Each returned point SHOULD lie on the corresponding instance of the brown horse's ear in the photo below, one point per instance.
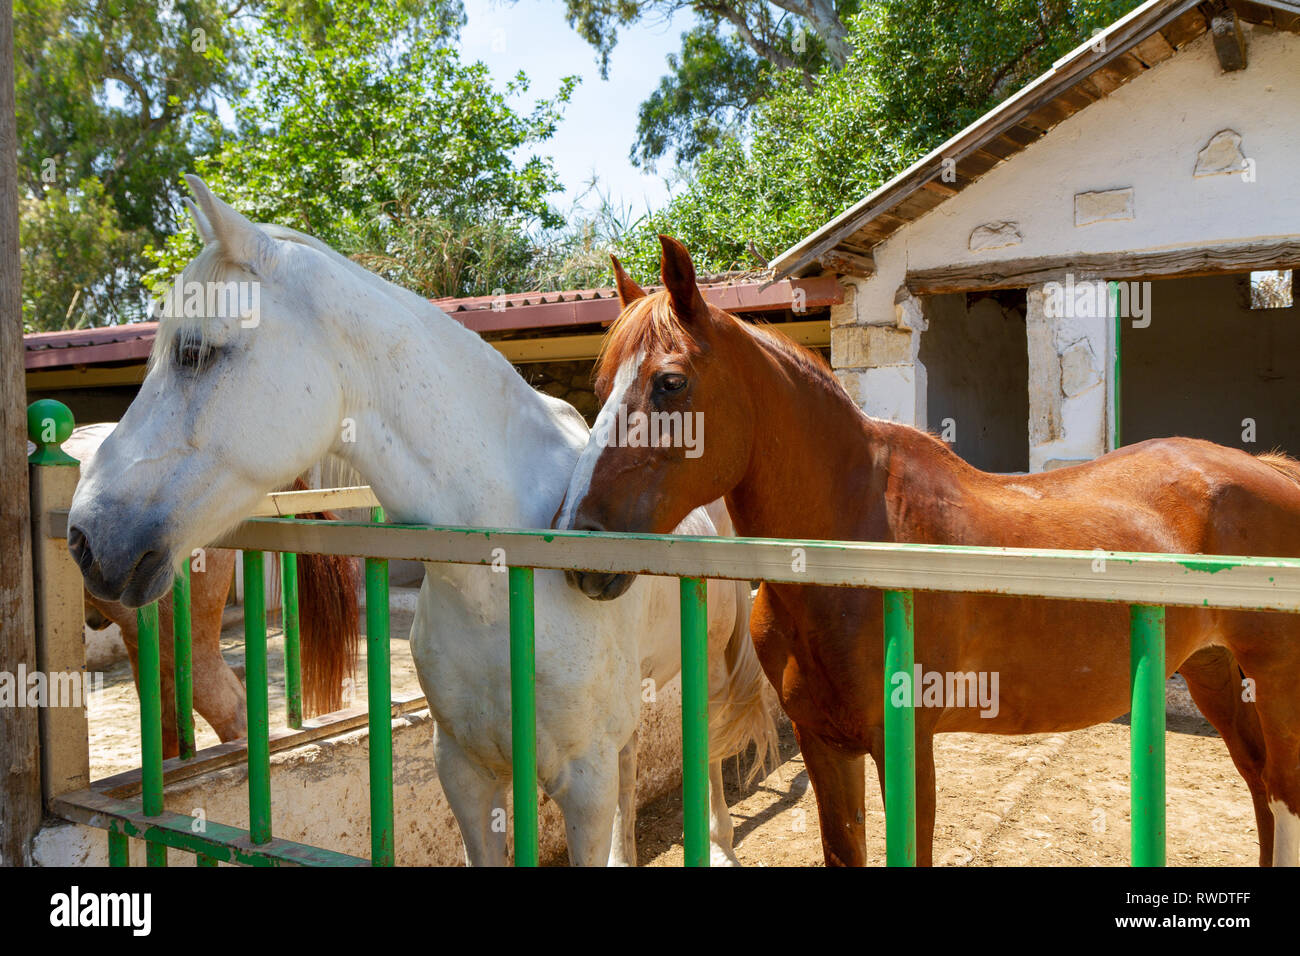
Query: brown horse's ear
(628, 291)
(679, 278)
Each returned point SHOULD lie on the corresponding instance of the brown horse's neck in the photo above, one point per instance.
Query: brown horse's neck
(822, 469)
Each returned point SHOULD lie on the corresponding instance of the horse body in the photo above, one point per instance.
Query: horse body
(1061, 665)
(446, 432)
(796, 458)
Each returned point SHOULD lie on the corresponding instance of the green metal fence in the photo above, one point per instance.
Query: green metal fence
(1146, 582)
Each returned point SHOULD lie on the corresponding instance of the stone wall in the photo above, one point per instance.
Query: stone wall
(1069, 352)
(1185, 155)
(570, 381)
(875, 357)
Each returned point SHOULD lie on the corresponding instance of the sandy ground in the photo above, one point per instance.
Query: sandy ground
(1043, 800)
(1049, 799)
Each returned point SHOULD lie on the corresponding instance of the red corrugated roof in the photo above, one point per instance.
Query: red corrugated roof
(110, 343)
(529, 310)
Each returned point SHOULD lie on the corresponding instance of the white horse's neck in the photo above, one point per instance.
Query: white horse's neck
(443, 428)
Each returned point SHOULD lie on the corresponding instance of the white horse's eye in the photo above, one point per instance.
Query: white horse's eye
(192, 353)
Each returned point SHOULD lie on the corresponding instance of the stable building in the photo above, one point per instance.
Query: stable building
(1105, 257)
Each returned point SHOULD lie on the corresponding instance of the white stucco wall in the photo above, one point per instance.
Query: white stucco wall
(1144, 136)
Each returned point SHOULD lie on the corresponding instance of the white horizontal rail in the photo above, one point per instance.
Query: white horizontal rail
(1190, 580)
(281, 504)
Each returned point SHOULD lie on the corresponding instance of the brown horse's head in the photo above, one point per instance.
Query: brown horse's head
(675, 431)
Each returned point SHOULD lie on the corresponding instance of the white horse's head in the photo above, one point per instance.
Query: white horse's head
(245, 389)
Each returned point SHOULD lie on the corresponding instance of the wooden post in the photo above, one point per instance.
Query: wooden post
(1229, 43)
(59, 607)
(20, 789)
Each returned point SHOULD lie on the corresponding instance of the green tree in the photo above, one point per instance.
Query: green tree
(726, 63)
(115, 99)
(920, 71)
(107, 92)
(710, 88)
(374, 137)
(741, 51)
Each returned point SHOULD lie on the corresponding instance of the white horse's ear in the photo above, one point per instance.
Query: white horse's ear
(201, 224)
(243, 241)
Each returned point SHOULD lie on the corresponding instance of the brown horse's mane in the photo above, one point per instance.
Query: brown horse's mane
(1282, 463)
(651, 324)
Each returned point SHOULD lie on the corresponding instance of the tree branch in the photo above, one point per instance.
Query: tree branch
(760, 46)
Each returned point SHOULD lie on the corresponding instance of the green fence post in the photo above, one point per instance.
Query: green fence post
(695, 721)
(1147, 732)
(183, 661)
(379, 700)
(292, 640)
(255, 678)
(119, 849)
(900, 731)
(151, 758)
(523, 715)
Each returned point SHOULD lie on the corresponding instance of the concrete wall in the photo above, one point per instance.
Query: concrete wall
(320, 795)
(1145, 137)
(978, 377)
(1207, 363)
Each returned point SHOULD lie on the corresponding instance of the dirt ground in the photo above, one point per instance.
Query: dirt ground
(1049, 799)
(114, 712)
(1043, 800)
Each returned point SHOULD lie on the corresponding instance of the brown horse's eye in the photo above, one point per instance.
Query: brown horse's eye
(670, 382)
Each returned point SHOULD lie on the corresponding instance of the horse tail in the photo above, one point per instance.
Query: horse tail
(1282, 463)
(327, 597)
(741, 710)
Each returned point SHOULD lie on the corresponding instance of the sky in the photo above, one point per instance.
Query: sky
(599, 123)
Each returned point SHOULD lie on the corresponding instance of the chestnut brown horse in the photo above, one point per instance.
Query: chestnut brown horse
(327, 598)
(794, 457)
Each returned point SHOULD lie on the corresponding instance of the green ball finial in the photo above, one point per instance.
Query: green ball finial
(49, 425)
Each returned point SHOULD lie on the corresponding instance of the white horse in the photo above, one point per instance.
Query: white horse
(334, 359)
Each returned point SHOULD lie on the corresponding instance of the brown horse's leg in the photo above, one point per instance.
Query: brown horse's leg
(925, 798)
(925, 788)
(1268, 649)
(840, 788)
(218, 694)
(1216, 686)
(167, 661)
(125, 618)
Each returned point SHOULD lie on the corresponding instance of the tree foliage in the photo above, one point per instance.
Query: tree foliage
(106, 93)
(920, 71)
(354, 120)
(726, 64)
(370, 134)
(710, 88)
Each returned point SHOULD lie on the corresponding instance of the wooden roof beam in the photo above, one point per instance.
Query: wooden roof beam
(1229, 43)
